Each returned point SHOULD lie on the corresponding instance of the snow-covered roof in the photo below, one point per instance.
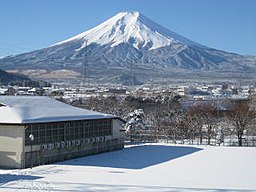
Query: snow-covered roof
(36, 109)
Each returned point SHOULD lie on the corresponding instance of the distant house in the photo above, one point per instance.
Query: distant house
(40, 130)
(3, 91)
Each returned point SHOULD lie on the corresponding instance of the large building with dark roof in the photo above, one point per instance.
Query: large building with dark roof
(41, 130)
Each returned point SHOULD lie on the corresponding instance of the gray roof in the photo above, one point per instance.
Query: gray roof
(37, 109)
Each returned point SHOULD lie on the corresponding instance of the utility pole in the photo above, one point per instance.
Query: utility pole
(85, 65)
(85, 71)
(131, 75)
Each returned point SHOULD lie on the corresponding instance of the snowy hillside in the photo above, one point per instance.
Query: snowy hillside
(150, 167)
(130, 38)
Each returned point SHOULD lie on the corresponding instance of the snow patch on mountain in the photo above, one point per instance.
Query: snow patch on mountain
(133, 28)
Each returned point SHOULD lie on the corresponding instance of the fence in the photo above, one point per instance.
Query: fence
(149, 136)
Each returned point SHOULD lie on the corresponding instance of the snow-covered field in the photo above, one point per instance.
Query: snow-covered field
(149, 167)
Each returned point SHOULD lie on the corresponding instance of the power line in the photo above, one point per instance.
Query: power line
(8, 49)
(14, 47)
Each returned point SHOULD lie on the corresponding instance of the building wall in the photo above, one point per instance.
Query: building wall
(11, 146)
(16, 151)
(118, 126)
(50, 155)
(45, 153)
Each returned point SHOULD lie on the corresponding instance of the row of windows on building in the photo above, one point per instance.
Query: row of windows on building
(67, 131)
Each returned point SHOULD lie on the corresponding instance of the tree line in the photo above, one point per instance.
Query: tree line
(176, 119)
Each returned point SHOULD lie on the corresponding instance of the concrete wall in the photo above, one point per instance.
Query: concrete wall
(11, 146)
(117, 129)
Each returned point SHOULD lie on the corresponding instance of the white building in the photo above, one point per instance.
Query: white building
(40, 130)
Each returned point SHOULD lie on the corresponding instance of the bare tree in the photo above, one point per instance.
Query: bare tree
(195, 118)
(241, 115)
(191, 122)
(204, 117)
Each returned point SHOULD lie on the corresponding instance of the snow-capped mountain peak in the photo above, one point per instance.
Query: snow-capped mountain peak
(133, 28)
(125, 39)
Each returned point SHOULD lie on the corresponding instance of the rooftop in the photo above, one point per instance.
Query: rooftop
(37, 109)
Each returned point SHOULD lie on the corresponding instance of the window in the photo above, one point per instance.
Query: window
(67, 131)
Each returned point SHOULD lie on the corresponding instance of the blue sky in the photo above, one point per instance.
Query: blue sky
(27, 25)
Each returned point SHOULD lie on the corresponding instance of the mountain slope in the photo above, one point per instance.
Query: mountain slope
(131, 42)
(6, 78)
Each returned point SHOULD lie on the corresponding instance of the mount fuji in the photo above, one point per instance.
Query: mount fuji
(130, 44)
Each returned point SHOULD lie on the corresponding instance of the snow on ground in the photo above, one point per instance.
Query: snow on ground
(147, 168)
